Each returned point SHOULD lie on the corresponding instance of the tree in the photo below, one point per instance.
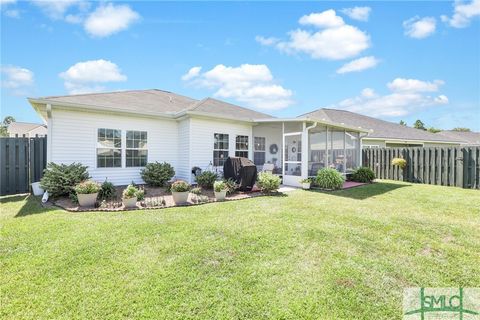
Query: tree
(433, 130)
(461, 129)
(403, 123)
(419, 125)
(4, 126)
(7, 120)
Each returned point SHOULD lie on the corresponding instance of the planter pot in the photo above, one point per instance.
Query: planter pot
(220, 196)
(180, 197)
(37, 190)
(306, 185)
(130, 202)
(87, 200)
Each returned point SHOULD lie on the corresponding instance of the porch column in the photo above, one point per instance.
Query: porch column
(304, 151)
(282, 160)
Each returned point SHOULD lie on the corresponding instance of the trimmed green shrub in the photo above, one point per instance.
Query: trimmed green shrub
(363, 174)
(220, 186)
(87, 187)
(60, 179)
(130, 192)
(157, 174)
(180, 186)
(231, 185)
(196, 191)
(268, 182)
(107, 191)
(206, 179)
(402, 163)
(328, 178)
(140, 194)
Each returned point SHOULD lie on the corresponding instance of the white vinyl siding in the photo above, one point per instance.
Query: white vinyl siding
(183, 169)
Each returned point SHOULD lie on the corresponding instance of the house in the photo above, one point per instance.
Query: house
(115, 134)
(25, 129)
(468, 138)
(384, 133)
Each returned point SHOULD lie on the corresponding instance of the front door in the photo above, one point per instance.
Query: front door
(292, 159)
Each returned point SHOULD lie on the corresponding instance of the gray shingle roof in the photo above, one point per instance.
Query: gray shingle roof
(470, 138)
(380, 128)
(22, 128)
(222, 108)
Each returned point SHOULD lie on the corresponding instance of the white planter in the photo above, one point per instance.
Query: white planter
(37, 190)
(220, 196)
(130, 202)
(306, 185)
(180, 197)
(87, 200)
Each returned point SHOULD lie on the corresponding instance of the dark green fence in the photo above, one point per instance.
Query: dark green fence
(22, 161)
(449, 166)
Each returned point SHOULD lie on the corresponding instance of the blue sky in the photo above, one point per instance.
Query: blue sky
(392, 60)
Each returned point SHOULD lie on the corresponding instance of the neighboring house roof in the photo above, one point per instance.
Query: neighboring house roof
(469, 137)
(22, 128)
(379, 128)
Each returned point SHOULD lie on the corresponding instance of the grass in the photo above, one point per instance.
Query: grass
(308, 255)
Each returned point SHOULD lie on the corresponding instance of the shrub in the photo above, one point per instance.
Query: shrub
(219, 186)
(363, 174)
(268, 182)
(87, 187)
(60, 179)
(231, 185)
(107, 191)
(130, 192)
(156, 174)
(196, 191)
(206, 179)
(180, 186)
(328, 178)
(140, 194)
(307, 180)
(400, 162)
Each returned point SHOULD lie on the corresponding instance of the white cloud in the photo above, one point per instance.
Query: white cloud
(266, 41)
(5, 2)
(109, 19)
(192, 73)
(18, 80)
(88, 76)
(357, 13)
(406, 96)
(463, 14)
(419, 28)
(253, 85)
(56, 9)
(13, 13)
(359, 65)
(336, 40)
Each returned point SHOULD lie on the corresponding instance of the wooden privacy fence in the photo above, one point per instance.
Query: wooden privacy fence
(22, 161)
(448, 166)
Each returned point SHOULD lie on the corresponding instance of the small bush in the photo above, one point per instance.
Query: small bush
(130, 192)
(157, 174)
(219, 186)
(231, 185)
(400, 162)
(328, 178)
(180, 186)
(196, 191)
(268, 182)
(307, 180)
(87, 187)
(363, 174)
(60, 179)
(140, 194)
(107, 191)
(206, 179)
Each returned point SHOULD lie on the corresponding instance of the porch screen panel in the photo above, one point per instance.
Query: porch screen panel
(337, 151)
(293, 155)
(352, 151)
(317, 153)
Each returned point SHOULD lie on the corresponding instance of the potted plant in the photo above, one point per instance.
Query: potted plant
(129, 198)
(306, 183)
(220, 189)
(180, 190)
(87, 193)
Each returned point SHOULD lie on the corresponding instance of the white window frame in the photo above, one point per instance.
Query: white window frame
(220, 150)
(97, 147)
(143, 149)
(264, 151)
(236, 142)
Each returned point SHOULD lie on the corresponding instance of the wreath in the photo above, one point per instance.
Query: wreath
(273, 149)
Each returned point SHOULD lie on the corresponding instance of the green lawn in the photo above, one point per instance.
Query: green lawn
(309, 255)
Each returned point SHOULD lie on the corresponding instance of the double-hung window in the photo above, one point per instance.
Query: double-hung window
(241, 146)
(259, 151)
(220, 149)
(136, 149)
(109, 148)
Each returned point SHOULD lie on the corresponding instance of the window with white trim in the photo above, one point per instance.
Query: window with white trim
(259, 151)
(136, 152)
(241, 146)
(109, 148)
(220, 148)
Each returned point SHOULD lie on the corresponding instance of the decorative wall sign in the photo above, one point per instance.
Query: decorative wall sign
(273, 148)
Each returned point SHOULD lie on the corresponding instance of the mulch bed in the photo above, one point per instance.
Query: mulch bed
(155, 198)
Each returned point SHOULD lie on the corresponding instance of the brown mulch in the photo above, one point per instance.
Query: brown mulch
(152, 194)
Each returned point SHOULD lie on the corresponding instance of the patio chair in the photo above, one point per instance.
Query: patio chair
(268, 167)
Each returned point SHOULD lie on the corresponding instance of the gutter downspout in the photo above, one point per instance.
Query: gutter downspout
(49, 132)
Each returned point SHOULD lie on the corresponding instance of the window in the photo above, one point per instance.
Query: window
(136, 150)
(259, 151)
(220, 149)
(241, 146)
(109, 148)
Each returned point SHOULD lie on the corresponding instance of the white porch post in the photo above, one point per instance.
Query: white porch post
(282, 161)
(304, 151)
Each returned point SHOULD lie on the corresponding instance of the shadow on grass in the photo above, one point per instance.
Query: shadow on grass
(23, 205)
(365, 191)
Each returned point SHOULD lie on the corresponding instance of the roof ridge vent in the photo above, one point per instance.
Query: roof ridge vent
(170, 99)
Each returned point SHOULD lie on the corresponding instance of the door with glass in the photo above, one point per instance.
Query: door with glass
(292, 159)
